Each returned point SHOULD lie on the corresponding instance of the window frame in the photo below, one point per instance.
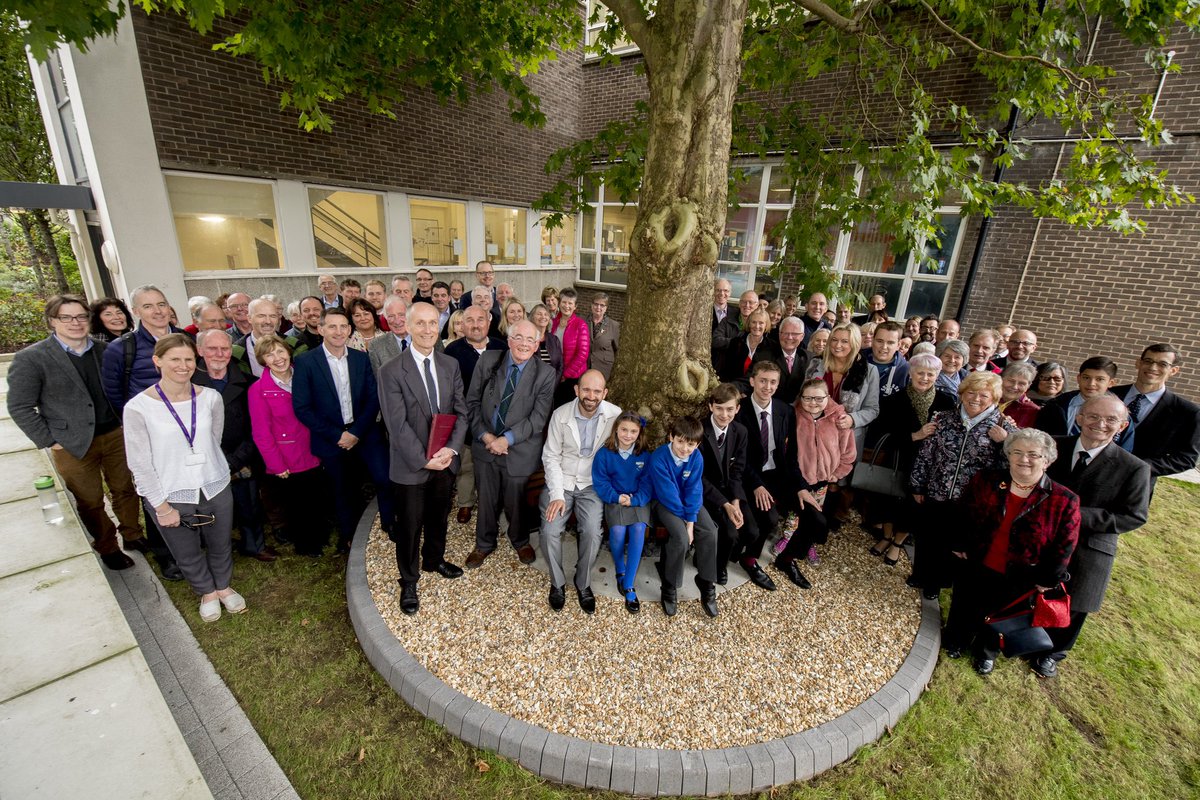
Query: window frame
(282, 269)
(383, 234)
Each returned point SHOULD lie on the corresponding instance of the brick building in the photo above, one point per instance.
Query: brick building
(204, 185)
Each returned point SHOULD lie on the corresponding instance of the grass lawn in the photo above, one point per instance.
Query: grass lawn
(1122, 720)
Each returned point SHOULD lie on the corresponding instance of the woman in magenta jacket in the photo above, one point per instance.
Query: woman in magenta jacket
(572, 331)
(293, 471)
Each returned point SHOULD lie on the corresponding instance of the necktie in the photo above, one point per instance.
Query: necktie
(403, 345)
(764, 435)
(431, 385)
(510, 388)
(790, 361)
(1080, 465)
(1135, 408)
(720, 442)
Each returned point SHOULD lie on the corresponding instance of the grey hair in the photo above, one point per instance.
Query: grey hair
(199, 309)
(1020, 368)
(1043, 440)
(925, 361)
(198, 302)
(259, 301)
(957, 345)
(145, 287)
(204, 336)
(393, 299)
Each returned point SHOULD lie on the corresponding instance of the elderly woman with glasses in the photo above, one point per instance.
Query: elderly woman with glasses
(963, 442)
(1018, 534)
(1048, 383)
(173, 445)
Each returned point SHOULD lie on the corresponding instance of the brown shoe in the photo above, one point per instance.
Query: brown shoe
(526, 554)
(464, 514)
(139, 545)
(475, 559)
(263, 556)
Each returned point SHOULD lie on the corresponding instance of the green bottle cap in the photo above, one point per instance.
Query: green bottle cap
(43, 482)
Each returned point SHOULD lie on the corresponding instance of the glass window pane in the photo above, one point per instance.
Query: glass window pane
(587, 266)
(348, 228)
(738, 276)
(951, 225)
(739, 229)
(772, 237)
(868, 285)
(589, 228)
(926, 297)
(614, 269)
(779, 188)
(504, 234)
(558, 244)
(748, 188)
(224, 224)
(616, 228)
(438, 232)
(591, 188)
(871, 251)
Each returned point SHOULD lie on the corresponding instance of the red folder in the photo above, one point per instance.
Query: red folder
(439, 432)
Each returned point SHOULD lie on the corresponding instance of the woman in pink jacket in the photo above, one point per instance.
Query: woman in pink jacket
(572, 331)
(295, 473)
(826, 454)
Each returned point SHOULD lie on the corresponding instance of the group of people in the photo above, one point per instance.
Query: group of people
(436, 396)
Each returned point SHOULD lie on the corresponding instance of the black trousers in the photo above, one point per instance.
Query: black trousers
(935, 538)
(979, 591)
(767, 521)
(813, 528)
(423, 506)
(733, 541)
(300, 497)
(1064, 638)
(497, 490)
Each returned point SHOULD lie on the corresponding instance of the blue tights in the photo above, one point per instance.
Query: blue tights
(626, 542)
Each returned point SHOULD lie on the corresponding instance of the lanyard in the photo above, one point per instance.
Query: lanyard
(190, 436)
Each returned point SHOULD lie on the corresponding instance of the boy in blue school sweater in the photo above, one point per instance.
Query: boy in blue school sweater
(676, 475)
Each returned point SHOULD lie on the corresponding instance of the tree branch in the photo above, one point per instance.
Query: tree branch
(845, 24)
(633, 20)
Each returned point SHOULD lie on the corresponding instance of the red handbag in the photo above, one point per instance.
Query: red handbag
(1052, 611)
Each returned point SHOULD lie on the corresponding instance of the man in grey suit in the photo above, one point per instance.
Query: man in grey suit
(56, 397)
(1114, 498)
(412, 388)
(508, 405)
(387, 345)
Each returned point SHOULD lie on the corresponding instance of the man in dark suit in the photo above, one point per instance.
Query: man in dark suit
(1164, 427)
(772, 468)
(508, 405)
(1058, 417)
(412, 388)
(724, 450)
(485, 276)
(56, 398)
(793, 360)
(1114, 498)
(726, 319)
(466, 351)
(334, 394)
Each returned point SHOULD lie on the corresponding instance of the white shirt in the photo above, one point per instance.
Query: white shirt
(420, 362)
(157, 449)
(340, 367)
(1148, 400)
(1092, 453)
(255, 368)
(718, 431)
(758, 412)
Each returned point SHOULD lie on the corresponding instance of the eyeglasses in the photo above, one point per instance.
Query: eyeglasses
(820, 398)
(1111, 422)
(1020, 343)
(1021, 455)
(523, 339)
(1150, 362)
(73, 317)
(197, 521)
(238, 306)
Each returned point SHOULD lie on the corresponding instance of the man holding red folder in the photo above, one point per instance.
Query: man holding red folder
(421, 398)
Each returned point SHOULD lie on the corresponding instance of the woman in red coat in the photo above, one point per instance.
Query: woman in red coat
(572, 332)
(1018, 534)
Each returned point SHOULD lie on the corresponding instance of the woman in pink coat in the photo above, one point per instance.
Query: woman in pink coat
(294, 472)
(572, 331)
(826, 454)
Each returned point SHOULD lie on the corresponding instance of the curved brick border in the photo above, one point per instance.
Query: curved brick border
(634, 770)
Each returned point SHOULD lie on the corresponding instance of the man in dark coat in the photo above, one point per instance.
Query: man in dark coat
(1164, 428)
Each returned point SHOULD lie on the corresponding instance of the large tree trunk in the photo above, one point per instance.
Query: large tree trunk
(692, 67)
(42, 219)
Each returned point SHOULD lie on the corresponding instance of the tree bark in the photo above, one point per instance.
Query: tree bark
(42, 219)
(693, 64)
(35, 255)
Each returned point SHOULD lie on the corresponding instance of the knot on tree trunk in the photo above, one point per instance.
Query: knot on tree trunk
(693, 380)
(669, 233)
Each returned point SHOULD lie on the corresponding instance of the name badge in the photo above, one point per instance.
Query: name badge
(194, 459)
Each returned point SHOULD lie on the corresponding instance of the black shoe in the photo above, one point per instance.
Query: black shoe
(632, 604)
(116, 560)
(912, 582)
(172, 572)
(793, 573)
(1044, 667)
(708, 596)
(984, 666)
(587, 600)
(722, 575)
(558, 598)
(669, 605)
(954, 652)
(409, 603)
(139, 545)
(446, 570)
(760, 578)
(931, 594)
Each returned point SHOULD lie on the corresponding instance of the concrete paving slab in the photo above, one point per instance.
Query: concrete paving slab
(575, 764)
(716, 774)
(554, 757)
(93, 731)
(27, 464)
(645, 778)
(53, 612)
(244, 754)
(741, 774)
(670, 772)
(600, 764)
(11, 438)
(264, 781)
(695, 773)
(31, 543)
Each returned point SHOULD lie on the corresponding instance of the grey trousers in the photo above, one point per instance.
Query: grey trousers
(464, 484)
(588, 513)
(210, 567)
(704, 540)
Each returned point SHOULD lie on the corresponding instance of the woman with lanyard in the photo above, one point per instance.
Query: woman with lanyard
(173, 445)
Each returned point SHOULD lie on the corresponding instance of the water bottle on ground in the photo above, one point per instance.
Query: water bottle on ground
(52, 512)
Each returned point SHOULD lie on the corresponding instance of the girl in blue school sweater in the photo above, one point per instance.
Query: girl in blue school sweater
(621, 479)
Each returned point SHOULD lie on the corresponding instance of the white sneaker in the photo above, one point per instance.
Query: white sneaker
(234, 603)
(210, 610)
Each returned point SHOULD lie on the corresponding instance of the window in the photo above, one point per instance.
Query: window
(504, 234)
(558, 244)
(224, 223)
(438, 232)
(605, 230)
(348, 228)
(592, 31)
(66, 116)
(753, 237)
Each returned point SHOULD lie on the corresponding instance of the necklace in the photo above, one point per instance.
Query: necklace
(1023, 487)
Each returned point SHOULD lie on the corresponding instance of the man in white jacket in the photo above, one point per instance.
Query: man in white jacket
(577, 430)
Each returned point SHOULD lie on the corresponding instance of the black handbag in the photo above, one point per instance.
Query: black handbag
(1014, 625)
(881, 478)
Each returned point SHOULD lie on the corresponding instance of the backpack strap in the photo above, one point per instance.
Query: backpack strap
(130, 350)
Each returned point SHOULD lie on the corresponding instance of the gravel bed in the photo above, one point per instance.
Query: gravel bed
(770, 665)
